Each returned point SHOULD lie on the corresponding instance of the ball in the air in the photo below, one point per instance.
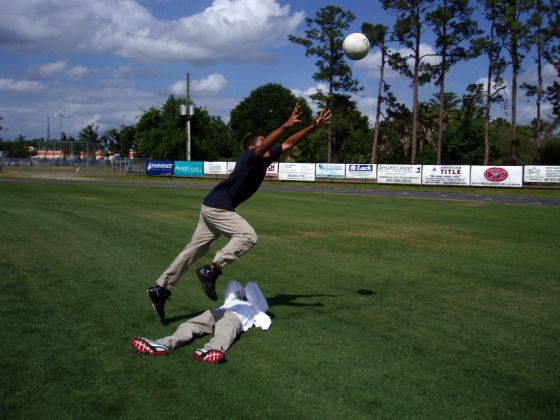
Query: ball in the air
(355, 46)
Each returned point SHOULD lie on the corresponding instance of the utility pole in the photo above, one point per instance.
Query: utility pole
(188, 121)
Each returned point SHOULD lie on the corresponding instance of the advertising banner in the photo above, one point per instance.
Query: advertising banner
(159, 168)
(330, 170)
(296, 171)
(272, 169)
(361, 170)
(215, 168)
(541, 174)
(189, 168)
(446, 174)
(497, 176)
(230, 167)
(399, 174)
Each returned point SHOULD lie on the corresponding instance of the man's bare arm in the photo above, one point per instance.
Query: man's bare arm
(273, 137)
(322, 119)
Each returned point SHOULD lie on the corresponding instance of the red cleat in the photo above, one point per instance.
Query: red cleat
(210, 356)
(153, 348)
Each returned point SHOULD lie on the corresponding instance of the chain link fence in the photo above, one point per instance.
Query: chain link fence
(125, 166)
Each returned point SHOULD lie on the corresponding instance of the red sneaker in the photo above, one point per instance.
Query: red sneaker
(210, 356)
(144, 346)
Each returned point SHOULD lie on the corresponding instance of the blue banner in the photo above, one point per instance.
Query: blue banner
(190, 169)
(159, 167)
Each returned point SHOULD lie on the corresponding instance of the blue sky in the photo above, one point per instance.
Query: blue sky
(105, 61)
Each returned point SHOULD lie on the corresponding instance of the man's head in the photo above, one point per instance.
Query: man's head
(252, 141)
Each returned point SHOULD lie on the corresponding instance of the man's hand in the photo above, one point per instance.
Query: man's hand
(294, 118)
(262, 150)
(323, 118)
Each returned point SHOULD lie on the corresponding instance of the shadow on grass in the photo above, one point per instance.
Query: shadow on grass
(278, 300)
(289, 300)
(366, 292)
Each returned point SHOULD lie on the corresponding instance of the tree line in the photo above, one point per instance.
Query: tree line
(511, 30)
(448, 128)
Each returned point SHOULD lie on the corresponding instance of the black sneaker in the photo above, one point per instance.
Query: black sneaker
(158, 295)
(207, 276)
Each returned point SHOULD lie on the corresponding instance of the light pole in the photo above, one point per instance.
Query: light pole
(188, 122)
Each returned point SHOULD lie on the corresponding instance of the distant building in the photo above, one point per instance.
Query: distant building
(49, 154)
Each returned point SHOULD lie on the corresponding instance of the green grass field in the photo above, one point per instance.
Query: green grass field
(382, 308)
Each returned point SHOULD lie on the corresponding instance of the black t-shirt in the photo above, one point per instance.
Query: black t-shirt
(243, 182)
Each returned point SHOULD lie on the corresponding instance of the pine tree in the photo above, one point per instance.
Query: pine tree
(453, 26)
(323, 40)
(512, 30)
(377, 36)
(407, 31)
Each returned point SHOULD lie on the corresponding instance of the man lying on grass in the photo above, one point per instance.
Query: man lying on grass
(243, 308)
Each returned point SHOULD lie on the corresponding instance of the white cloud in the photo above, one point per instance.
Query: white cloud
(128, 75)
(211, 85)
(57, 69)
(530, 74)
(504, 87)
(51, 69)
(366, 105)
(526, 108)
(214, 83)
(306, 94)
(228, 30)
(20, 86)
(178, 88)
(372, 62)
(107, 107)
(79, 72)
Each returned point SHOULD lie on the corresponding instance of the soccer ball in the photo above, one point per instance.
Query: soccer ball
(355, 46)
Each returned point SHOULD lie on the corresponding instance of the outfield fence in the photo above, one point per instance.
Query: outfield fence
(125, 166)
(450, 175)
(455, 175)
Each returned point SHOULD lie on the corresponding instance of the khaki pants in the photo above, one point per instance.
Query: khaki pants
(226, 327)
(211, 224)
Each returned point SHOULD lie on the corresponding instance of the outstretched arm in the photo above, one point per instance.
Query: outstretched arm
(323, 118)
(273, 137)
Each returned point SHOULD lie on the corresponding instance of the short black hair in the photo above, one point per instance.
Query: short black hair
(250, 140)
